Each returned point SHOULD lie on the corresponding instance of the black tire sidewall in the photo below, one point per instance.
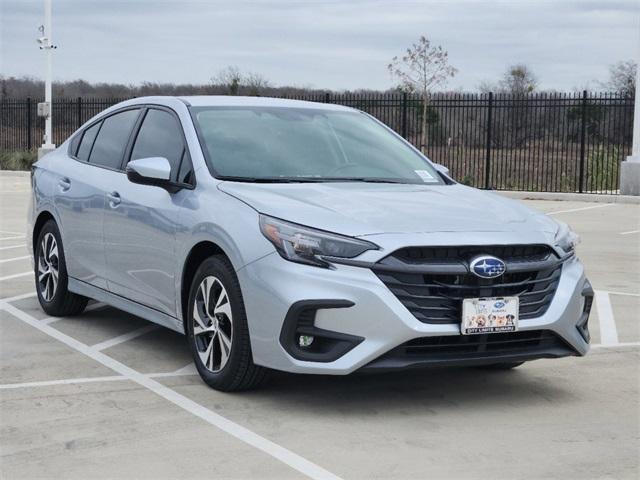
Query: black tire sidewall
(221, 268)
(58, 299)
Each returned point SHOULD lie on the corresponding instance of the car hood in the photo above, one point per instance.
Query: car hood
(358, 209)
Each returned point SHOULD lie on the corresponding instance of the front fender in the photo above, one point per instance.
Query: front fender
(218, 218)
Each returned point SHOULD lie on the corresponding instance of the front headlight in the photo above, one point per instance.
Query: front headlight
(307, 245)
(566, 238)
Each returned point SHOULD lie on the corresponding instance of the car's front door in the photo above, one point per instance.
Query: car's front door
(140, 220)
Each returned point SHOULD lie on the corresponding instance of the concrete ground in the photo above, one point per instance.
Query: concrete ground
(107, 395)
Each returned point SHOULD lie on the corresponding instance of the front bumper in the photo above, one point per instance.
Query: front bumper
(376, 318)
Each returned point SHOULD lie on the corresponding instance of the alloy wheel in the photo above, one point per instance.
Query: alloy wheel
(212, 324)
(48, 267)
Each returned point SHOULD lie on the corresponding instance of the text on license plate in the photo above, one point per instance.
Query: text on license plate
(489, 315)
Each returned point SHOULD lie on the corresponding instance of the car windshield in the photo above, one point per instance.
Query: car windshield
(275, 144)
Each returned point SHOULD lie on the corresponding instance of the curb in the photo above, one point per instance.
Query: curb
(571, 197)
(14, 173)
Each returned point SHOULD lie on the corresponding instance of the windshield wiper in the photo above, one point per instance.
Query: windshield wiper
(366, 180)
(270, 179)
(312, 179)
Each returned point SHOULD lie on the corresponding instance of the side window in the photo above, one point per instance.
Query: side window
(86, 142)
(185, 175)
(109, 146)
(160, 136)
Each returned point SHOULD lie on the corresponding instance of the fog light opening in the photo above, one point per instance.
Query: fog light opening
(305, 341)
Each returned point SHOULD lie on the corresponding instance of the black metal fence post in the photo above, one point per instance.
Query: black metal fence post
(79, 119)
(29, 144)
(487, 162)
(583, 135)
(404, 128)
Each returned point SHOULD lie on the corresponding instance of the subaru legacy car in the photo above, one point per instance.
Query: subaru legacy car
(297, 236)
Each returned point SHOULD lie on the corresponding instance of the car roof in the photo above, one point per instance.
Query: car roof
(238, 101)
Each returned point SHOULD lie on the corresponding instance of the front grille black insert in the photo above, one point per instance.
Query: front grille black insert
(431, 282)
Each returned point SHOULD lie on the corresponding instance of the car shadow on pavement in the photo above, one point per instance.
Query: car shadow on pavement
(455, 387)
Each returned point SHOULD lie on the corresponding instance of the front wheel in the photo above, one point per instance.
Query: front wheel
(51, 275)
(217, 329)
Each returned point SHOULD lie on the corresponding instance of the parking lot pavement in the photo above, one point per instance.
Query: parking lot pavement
(108, 395)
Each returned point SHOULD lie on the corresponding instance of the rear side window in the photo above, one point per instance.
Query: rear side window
(109, 146)
(86, 142)
(160, 136)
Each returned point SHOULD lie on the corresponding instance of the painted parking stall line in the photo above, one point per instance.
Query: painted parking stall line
(67, 381)
(16, 275)
(95, 306)
(608, 330)
(15, 237)
(11, 247)
(580, 209)
(112, 342)
(15, 259)
(243, 434)
(22, 296)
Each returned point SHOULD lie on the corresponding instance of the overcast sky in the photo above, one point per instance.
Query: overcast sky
(321, 43)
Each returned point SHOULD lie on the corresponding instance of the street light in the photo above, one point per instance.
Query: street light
(630, 169)
(44, 109)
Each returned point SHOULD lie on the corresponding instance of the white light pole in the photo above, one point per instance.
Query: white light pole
(630, 169)
(45, 109)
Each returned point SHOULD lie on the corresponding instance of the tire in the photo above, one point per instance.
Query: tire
(502, 366)
(54, 297)
(221, 330)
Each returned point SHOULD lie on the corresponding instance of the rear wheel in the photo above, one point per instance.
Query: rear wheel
(217, 329)
(51, 275)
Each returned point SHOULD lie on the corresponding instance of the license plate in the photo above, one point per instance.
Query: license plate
(489, 315)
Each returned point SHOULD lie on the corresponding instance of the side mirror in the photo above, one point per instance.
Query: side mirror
(442, 169)
(150, 171)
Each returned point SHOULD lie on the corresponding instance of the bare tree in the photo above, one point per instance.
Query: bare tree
(622, 77)
(518, 80)
(230, 78)
(422, 69)
(256, 83)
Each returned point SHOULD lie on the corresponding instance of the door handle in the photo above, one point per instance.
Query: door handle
(114, 199)
(64, 184)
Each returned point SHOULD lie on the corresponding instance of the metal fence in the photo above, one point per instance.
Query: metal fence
(554, 142)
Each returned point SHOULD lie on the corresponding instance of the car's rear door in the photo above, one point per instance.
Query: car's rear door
(80, 196)
(140, 220)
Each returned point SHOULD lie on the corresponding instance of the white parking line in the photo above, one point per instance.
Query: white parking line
(189, 369)
(125, 337)
(618, 345)
(15, 259)
(95, 306)
(6, 232)
(68, 381)
(629, 232)
(278, 452)
(16, 275)
(621, 293)
(18, 297)
(16, 237)
(581, 209)
(608, 330)
(11, 247)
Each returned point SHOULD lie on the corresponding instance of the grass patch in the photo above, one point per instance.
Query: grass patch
(20, 160)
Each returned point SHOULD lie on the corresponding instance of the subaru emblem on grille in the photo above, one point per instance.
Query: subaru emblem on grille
(486, 266)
